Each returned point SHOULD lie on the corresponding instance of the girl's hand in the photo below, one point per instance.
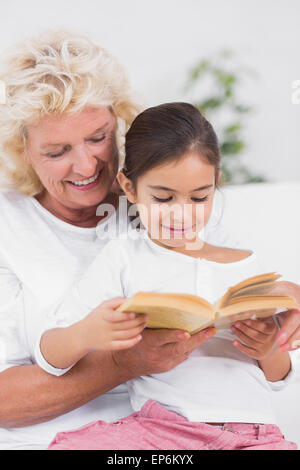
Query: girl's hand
(106, 329)
(258, 337)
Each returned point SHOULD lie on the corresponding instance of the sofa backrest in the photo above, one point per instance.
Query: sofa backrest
(265, 218)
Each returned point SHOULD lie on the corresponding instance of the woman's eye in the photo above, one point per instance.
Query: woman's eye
(158, 199)
(199, 199)
(55, 155)
(97, 140)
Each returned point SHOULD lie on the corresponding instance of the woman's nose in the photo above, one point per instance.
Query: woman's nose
(85, 163)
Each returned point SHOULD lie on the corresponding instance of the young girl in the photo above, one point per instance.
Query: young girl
(219, 398)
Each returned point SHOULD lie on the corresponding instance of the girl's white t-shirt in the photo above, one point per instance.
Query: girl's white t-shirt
(40, 258)
(217, 383)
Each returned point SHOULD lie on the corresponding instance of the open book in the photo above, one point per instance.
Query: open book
(248, 299)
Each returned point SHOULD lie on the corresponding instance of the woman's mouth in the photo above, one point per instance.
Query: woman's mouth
(89, 183)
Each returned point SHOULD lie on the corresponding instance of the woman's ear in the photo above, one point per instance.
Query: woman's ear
(219, 178)
(127, 187)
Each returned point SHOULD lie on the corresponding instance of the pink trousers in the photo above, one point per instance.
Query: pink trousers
(155, 428)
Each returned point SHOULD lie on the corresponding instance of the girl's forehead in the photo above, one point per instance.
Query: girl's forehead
(191, 171)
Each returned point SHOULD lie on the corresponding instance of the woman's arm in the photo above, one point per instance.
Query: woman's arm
(28, 395)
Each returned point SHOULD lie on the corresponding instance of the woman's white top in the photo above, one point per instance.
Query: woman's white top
(40, 258)
(217, 383)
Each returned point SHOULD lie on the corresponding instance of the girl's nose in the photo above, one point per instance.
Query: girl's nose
(85, 163)
(181, 212)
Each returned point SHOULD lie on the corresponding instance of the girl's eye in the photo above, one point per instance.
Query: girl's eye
(199, 199)
(158, 199)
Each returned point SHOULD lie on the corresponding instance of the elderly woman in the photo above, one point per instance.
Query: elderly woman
(67, 108)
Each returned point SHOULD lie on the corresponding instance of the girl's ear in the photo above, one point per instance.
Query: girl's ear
(127, 187)
(219, 178)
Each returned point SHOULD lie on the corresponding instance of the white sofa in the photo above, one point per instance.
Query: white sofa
(266, 218)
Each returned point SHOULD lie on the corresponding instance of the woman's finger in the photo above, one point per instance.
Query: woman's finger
(160, 337)
(194, 341)
(289, 327)
(293, 342)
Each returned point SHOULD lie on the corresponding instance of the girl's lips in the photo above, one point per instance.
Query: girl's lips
(178, 230)
(87, 187)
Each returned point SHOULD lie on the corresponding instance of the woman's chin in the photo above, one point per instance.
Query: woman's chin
(87, 199)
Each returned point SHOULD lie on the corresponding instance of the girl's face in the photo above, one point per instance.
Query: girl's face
(174, 200)
(75, 156)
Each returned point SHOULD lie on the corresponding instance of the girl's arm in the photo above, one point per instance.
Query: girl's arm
(103, 329)
(89, 324)
(277, 366)
(259, 342)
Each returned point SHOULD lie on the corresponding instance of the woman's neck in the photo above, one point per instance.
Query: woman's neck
(84, 217)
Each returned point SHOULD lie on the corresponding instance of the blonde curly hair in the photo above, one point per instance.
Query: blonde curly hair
(55, 73)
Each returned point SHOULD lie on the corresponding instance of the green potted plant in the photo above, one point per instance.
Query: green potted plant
(217, 81)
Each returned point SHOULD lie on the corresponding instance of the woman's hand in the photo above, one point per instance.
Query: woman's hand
(289, 334)
(160, 351)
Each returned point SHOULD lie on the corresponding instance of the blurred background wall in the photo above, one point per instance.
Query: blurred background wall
(160, 41)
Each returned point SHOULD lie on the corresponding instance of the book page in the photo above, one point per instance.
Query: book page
(257, 285)
(170, 310)
(262, 306)
(258, 289)
(224, 322)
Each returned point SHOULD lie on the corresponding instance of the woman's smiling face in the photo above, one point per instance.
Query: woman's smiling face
(75, 156)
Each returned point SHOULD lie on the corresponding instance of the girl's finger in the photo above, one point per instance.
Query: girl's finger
(113, 303)
(245, 338)
(265, 327)
(125, 344)
(129, 324)
(115, 317)
(249, 331)
(245, 349)
(128, 334)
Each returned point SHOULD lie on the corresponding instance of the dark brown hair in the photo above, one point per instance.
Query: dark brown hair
(166, 133)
